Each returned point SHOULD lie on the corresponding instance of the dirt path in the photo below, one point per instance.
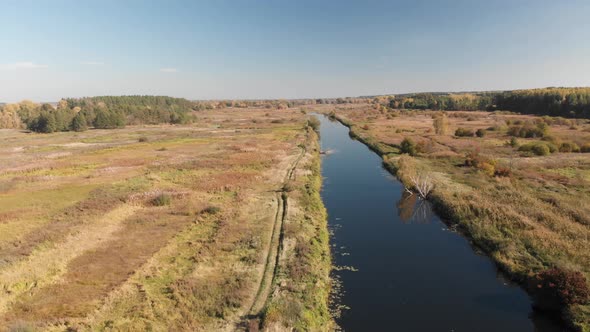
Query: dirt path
(264, 288)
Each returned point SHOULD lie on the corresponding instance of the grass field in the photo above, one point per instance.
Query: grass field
(164, 227)
(529, 212)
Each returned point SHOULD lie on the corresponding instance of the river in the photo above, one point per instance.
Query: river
(410, 272)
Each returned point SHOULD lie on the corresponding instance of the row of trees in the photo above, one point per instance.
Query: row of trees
(133, 110)
(118, 111)
(98, 112)
(564, 102)
(50, 120)
(448, 102)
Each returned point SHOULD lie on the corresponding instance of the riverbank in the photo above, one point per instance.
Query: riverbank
(302, 281)
(505, 217)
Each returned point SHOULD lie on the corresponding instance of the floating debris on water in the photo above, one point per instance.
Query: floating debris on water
(345, 268)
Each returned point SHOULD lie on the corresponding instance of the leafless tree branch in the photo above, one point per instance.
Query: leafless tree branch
(423, 185)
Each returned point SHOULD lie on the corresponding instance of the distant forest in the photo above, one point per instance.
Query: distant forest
(564, 102)
(99, 112)
(108, 112)
(79, 114)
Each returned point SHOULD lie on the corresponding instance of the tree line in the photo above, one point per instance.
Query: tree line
(118, 111)
(564, 102)
(107, 112)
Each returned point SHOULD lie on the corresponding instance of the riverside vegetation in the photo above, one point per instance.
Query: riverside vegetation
(164, 227)
(517, 185)
(227, 194)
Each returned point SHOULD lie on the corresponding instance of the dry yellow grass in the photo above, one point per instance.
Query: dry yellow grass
(46, 265)
(84, 245)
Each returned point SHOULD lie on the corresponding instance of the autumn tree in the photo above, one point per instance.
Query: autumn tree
(441, 123)
(9, 118)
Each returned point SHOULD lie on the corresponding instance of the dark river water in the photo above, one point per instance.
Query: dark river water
(414, 274)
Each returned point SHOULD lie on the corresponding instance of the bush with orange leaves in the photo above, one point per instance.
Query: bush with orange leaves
(556, 288)
(482, 163)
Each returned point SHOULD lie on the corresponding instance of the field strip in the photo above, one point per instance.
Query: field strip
(151, 269)
(269, 266)
(272, 256)
(45, 267)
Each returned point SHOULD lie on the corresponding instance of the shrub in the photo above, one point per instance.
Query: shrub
(529, 131)
(463, 132)
(555, 288)
(440, 123)
(473, 159)
(314, 123)
(585, 148)
(551, 138)
(211, 210)
(480, 133)
(513, 142)
(569, 147)
(405, 169)
(487, 168)
(424, 147)
(408, 146)
(552, 147)
(162, 200)
(538, 148)
(180, 118)
(502, 171)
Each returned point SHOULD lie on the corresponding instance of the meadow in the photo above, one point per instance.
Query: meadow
(517, 185)
(216, 225)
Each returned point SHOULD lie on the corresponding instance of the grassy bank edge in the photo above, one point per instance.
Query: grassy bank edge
(573, 317)
(302, 285)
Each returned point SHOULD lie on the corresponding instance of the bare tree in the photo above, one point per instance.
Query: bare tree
(423, 185)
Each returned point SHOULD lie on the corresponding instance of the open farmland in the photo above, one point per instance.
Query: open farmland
(528, 208)
(164, 227)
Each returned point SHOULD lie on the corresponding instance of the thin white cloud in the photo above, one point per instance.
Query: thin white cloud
(92, 63)
(21, 65)
(168, 70)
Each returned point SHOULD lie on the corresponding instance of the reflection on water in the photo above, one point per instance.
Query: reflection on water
(412, 209)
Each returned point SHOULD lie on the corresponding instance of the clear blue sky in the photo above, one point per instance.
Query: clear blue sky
(288, 49)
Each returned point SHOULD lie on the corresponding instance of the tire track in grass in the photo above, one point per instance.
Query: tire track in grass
(273, 253)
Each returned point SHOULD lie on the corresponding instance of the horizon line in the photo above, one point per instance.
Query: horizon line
(310, 98)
